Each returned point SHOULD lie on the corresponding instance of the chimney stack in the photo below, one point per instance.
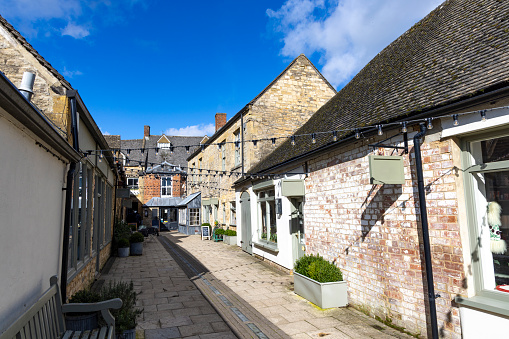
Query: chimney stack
(146, 131)
(220, 120)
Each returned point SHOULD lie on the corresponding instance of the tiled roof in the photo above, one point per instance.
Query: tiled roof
(113, 141)
(459, 50)
(177, 158)
(32, 50)
(189, 199)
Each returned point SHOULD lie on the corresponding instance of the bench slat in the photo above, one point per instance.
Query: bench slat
(67, 334)
(76, 335)
(85, 335)
(103, 332)
(94, 334)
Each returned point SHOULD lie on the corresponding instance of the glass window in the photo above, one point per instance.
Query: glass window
(166, 186)
(237, 148)
(132, 183)
(267, 216)
(233, 213)
(489, 181)
(194, 216)
(223, 156)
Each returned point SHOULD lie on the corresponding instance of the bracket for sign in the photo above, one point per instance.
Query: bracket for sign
(405, 140)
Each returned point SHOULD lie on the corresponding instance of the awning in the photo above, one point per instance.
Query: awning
(163, 202)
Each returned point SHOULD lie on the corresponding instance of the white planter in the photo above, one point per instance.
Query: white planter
(230, 239)
(324, 295)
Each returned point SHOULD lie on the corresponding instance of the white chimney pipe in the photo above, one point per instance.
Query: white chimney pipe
(27, 85)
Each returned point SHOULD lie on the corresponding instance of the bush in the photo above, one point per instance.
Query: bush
(219, 231)
(317, 268)
(85, 296)
(121, 230)
(136, 237)
(205, 224)
(123, 243)
(230, 233)
(126, 316)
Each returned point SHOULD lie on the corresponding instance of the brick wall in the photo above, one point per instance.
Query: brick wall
(150, 187)
(373, 234)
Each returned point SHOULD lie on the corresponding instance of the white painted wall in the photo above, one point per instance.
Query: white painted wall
(31, 220)
(477, 324)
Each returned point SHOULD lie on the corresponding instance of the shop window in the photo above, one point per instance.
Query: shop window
(194, 216)
(267, 216)
(233, 213)
(488, 199)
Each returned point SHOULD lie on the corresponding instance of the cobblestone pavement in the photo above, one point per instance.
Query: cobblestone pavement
(204, 289)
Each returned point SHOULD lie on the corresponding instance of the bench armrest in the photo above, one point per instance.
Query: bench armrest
(102, 306)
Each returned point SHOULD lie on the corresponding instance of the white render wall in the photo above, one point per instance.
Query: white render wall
(31, 220)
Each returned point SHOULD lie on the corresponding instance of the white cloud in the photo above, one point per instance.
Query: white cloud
(195, 130)
(346, 33)
(104, 132)
(76, 31)
(71, 74)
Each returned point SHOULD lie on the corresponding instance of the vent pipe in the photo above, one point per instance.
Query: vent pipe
(27, 85)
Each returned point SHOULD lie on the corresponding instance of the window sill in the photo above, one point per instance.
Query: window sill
(266, 245)
(497, 306)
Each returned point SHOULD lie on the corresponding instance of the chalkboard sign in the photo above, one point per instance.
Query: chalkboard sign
(205, 232)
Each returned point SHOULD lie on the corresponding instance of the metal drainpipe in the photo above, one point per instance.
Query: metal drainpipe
(68, 198)
(425, 232)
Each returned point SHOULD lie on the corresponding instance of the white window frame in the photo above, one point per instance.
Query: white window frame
(265, 199)
(237, 146)
(166, 187)
(233, 213)
(134, 183)
(194, 217)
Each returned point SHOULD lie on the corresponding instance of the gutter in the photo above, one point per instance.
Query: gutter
(68, 196)
(425, 232)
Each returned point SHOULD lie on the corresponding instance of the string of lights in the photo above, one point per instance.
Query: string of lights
(311, 136)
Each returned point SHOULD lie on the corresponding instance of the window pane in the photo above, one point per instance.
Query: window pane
(272, 218)
(263, 212)
(495, 149)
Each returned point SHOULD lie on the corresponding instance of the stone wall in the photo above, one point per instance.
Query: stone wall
(373, 234)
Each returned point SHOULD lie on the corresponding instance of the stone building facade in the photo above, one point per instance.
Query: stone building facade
(284, 105)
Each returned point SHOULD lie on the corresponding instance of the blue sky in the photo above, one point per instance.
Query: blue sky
(173, 65)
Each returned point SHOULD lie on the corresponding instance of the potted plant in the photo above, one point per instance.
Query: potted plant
(230, 237)
(123, 247)
(126, 316)
(83, 321)
(218, 234)
(320, 282)
(121, 230)
(136, 239)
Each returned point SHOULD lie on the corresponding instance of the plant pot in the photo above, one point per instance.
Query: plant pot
(324, 295)
(137, 248)
(123, 252)
(230, 239)
(84, 322)
(127, 334)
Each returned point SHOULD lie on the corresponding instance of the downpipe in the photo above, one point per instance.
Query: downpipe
(425, 232)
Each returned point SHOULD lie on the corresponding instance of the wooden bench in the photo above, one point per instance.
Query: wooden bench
(45, 319)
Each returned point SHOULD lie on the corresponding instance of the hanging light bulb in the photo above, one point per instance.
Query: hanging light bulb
(357, 134)
(157, 151)
(273, 142)
(293, 140)
(313, 138)
(380, 132)
(101, 156)
(430, 124)
(203, 148)
(127, 161)
(404, 129)
(254, 143)
(142, 151)
(171, 149)
(334, 136)
(483, 115)
(187, 149)
(162, 165)
(128, 152)
(455, 118)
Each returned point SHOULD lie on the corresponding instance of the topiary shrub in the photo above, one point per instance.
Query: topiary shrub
(230, 233)
(219, 231)
(123, 243)
(317, 268)
(136, 237)
(126, 316)
(205, 224)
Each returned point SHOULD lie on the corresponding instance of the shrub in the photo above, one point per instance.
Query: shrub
(123, 243)
(317, 268)
(205, 224)
(219, 231)
(230, 233)
(121, 230)
(136, 237)
(126, 316)
(85, 296)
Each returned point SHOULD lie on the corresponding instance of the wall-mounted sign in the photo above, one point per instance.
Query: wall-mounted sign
(386, 170)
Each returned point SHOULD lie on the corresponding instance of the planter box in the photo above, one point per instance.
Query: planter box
(230, 239)
(86, 322)
(324, 295)
(137, 248)
(123, 252)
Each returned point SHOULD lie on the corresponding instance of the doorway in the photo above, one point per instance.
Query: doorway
(245, 208)
(297, 228)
